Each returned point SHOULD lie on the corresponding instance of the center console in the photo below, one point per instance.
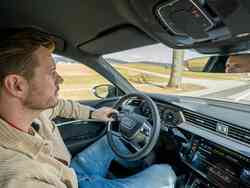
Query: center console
(214, 166)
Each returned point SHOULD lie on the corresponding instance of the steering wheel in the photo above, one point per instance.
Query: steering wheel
(137, 134)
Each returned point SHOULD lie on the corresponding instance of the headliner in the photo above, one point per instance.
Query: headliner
(99, 27)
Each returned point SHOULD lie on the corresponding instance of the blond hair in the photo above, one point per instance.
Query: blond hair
(17, 48)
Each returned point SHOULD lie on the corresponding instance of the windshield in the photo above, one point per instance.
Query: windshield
(156, 69)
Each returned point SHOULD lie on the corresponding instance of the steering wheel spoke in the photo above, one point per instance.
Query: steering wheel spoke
(132, 144)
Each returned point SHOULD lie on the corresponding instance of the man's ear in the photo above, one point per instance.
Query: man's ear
(15, 85)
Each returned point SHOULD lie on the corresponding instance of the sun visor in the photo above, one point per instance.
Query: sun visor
(122, 38)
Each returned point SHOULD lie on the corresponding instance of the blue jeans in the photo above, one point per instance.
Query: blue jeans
(91, 167)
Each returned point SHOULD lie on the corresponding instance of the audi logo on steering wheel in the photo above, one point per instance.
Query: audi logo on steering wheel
(128, 123)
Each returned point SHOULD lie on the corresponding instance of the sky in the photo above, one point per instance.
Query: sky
(156, 53)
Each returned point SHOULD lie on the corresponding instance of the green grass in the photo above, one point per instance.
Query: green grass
(84, 80)
(188, 74)
(141, 81)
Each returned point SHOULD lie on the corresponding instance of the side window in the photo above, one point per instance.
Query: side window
(79, 80)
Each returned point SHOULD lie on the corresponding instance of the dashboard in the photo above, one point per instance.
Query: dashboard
(216, 150)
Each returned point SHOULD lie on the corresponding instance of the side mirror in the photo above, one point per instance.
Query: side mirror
(106, 90)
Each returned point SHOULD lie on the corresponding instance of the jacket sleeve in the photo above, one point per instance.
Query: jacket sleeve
(30, 183)
(69, 109)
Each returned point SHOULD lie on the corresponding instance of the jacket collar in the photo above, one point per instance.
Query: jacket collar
(14, 139)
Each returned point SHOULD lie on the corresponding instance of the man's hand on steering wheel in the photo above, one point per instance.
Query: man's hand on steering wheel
(103, 114)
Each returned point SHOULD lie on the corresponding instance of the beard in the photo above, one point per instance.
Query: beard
(37, 101)
(40, 106)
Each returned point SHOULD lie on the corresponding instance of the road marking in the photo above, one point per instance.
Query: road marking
(242, 96)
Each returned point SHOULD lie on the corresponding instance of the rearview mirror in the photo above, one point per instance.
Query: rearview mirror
(238, 63)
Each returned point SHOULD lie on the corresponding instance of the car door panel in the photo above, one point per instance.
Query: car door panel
(78, 134)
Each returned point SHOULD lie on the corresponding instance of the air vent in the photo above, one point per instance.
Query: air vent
(199, 120)
(239, 134)
(220, 127)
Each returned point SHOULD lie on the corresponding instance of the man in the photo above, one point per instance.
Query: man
(238, 63)
(39, 159)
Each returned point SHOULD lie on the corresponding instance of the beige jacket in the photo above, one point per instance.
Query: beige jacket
(28, 161)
